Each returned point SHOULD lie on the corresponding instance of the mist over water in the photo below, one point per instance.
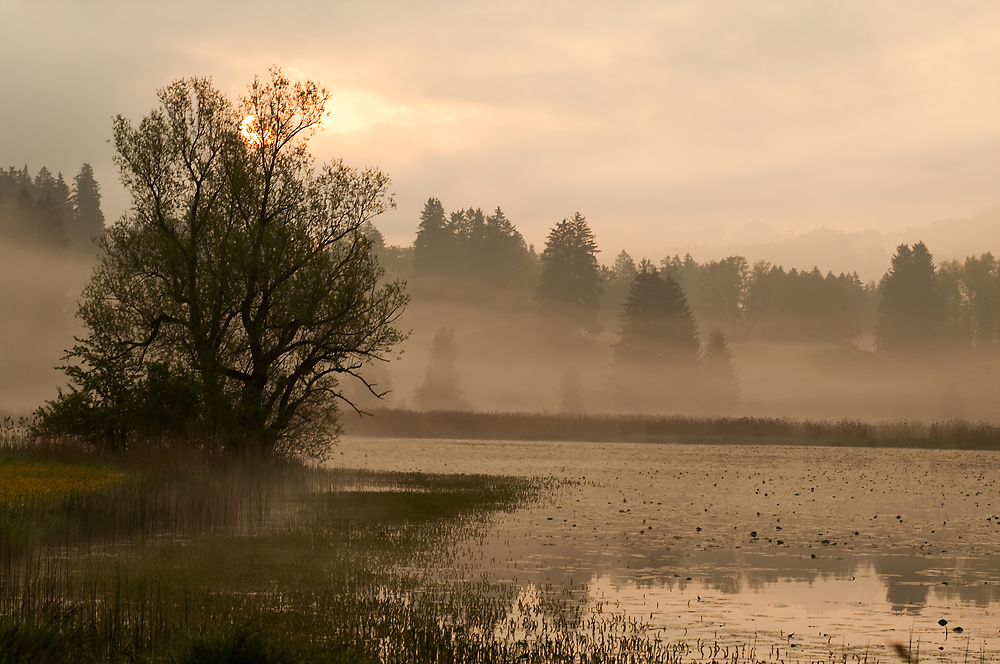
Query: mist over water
(518, 361)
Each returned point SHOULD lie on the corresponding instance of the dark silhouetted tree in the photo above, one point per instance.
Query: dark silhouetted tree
(47, 223)
(657, 325)
(87, 225)
(970, 293)
(656, 358)
(469, 256)
(435, 246)
(242, 271)
(910, 320)
(440, 389)
(727, 284)
(570, 282)
(501, 255)
(798, 306)
(721, 387)
(617, 281)
(34, 210)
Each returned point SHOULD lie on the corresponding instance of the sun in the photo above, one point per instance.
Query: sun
(250, 132)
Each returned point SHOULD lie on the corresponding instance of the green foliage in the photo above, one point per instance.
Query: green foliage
(241, 284)
(570, 281)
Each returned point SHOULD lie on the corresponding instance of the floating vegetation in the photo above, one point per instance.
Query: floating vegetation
(185, 559)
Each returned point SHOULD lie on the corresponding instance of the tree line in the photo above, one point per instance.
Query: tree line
(952, 306)
(45, 211)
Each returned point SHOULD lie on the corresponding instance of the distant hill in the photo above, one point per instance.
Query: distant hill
(865, 252)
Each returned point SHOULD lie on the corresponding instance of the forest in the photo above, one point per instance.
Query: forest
(665, 329)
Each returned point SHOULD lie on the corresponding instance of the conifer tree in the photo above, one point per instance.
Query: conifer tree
(720, 376)
(87, 220)
(910, 314)
(657, 325)
(502, 256)
(434, 247)
(624, 269)
(440, 389)
(570, 282)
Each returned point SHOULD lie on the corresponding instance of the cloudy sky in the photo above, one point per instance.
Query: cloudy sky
(664, 123)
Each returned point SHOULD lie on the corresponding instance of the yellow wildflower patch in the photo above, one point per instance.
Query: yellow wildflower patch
(35, 481)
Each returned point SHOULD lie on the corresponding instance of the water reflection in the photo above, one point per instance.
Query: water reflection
(813, 547)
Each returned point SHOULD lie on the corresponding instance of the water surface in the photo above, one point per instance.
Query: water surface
(816, 551)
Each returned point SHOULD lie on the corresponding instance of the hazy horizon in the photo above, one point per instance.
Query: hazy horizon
(666, 125)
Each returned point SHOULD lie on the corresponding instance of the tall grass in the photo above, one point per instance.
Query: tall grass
(957, 434)
(187, 559)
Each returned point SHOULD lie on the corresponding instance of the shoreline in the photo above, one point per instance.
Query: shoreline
(606, 428)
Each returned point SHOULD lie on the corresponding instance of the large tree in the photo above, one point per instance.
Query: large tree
(910, 319)
(434, 248)
(87, 225)
(656, 358)
(570, 283)
(241, 284)
(657, 326)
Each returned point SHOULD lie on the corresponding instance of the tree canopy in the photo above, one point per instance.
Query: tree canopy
(570, 283)
(240, 284)
(910, 319)
(657, 325)
(720, 384)
(87, 220)
(469, 255)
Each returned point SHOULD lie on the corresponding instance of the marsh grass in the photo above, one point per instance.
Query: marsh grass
(185, 559)
(953, 434)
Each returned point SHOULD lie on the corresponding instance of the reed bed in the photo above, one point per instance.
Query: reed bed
(953, 434)
(185, 559)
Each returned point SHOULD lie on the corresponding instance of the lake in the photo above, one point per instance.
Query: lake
(804, 552)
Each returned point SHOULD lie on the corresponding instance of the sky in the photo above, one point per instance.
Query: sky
(665, 123)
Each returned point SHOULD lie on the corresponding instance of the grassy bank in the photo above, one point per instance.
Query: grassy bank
(169, 556)
(954, 434)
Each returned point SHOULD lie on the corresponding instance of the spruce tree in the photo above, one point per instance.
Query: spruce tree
(656, 358)
(657, 325)
(910, 321)
(434, 248)
(722, 389)
(570, 282)
(502, 255)
(440, 389)
(87, 223)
